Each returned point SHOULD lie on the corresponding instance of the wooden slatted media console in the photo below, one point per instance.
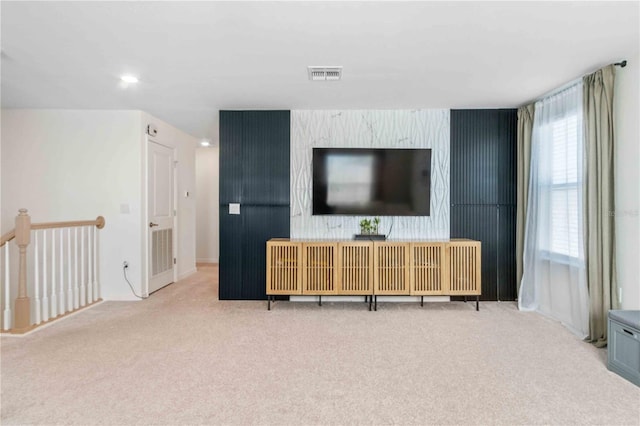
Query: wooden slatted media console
(372, 268)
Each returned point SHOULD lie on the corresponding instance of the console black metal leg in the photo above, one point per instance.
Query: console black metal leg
(319, 300)
(421, 300)
(375, 303)
(477, 303)
(465, 299)
(370, 300)
(268, 303)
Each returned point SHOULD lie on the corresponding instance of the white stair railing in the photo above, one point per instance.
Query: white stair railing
(36, 299)
(6, 283)
(64, 277)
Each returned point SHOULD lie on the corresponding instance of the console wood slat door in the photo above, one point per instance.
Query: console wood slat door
(283, 268)
(429, 276)
(319, 271)
(355, 268)
(391, 268)
(465, 268)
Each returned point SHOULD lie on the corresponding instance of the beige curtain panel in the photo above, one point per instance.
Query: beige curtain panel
(599, 200)
(525, 129)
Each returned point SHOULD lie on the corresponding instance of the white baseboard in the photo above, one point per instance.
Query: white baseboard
(207, 260)
(187, 273)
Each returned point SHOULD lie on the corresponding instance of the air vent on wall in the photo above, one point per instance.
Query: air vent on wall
(324, 73)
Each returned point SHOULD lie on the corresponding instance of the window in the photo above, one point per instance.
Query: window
(564, 186)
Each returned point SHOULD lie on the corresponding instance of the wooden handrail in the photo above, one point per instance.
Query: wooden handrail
(98, 223)
(7, 237)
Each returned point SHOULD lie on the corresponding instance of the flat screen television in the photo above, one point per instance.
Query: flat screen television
(375, 182)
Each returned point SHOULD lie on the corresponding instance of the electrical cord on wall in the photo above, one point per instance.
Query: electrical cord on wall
(388, 234)
(125, 265)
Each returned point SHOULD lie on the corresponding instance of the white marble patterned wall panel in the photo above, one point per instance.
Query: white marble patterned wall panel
(369, 129)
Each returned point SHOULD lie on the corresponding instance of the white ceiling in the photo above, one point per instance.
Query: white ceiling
(196, 58)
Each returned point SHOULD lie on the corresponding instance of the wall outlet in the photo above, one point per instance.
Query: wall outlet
(125, 264)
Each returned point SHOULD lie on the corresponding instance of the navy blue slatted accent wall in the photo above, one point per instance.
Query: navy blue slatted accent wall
(254, 171)
(483, 192)
(483, 156)
(230, 258)
(507, 253)
(480, 222)
(261, 223)
(265, 160)
(231, 161)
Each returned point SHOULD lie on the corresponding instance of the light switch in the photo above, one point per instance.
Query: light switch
(234, 208)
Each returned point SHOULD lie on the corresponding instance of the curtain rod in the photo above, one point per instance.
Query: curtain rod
(565, 86)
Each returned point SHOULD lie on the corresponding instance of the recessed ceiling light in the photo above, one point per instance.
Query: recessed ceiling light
(205, 143)
(129, 78)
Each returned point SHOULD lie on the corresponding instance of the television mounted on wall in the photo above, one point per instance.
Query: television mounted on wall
(371, 181)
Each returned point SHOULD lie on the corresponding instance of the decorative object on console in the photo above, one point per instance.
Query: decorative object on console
(365, 226)
(370, 237)
(369, 230)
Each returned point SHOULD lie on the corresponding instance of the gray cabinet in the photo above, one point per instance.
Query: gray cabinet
(624, 344)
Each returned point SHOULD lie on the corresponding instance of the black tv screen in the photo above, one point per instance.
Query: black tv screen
(376, 182)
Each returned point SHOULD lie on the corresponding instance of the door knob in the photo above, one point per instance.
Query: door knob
(151, 224)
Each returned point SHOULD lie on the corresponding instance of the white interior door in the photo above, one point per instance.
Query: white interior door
(161, 215)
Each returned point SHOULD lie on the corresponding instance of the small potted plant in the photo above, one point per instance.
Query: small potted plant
(365, 227)
(376, 224)
(370, 226)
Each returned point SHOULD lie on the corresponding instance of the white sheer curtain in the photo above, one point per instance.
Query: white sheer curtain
(554, 279)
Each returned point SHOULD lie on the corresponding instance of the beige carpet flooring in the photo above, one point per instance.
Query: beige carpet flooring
(183, 357)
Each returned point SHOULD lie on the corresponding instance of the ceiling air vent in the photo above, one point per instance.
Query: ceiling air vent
(325, 73)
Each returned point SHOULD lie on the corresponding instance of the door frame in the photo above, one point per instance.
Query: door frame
(145, 212)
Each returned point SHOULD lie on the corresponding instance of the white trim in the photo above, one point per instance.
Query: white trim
(174, 202)
(207, 260)
(145, 208)
(186, 274)
(54, 321)
(144, 273)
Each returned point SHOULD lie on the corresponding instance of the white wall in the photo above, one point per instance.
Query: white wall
(207, 207)
(365, 129)
(185, 146)
(627, 178)
(71, 165)
(75, 165)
